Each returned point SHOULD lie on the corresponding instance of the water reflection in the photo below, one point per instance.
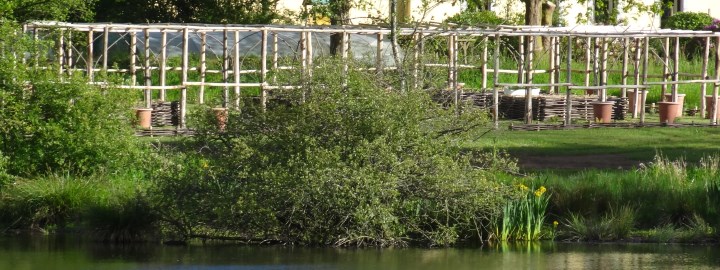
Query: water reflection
(71, 253)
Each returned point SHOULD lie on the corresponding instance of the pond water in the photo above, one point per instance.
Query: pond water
(20, 253)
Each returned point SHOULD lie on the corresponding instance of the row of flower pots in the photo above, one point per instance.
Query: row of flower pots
(144, 117)
(669, 110)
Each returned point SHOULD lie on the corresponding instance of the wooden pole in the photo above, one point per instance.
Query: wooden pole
(496, 80)
(133, 58)
(703, 87)
(69, 54)
(528, 89)
(275, 57)
(203, 66)
(263, 69)
(530, 69)
(636, 67)
(646, 56)
(587, 61)
(558, 60)
(163, 62)
(309, 59)
(147, 73)
(106, 44)
(484, 68)
(379, 55)
(89, 61)
(344, 53)
(225, 69)
(521, 63)
(185, 64)
(713, 111)
(236, 67)
(626, 59)
(568, 78)
(416, 58)
(553, 71)
(603, 69)
(666, 67)
(676, 70)
(61, 53)
(451, 62)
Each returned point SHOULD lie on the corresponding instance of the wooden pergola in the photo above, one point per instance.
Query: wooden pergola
(150, 48)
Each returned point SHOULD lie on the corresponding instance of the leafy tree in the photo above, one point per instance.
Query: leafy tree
(57, 10)
(187, 11)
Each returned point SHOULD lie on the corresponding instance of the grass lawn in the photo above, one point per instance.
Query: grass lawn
(634, 145)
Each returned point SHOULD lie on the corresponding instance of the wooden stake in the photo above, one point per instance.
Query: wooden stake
(163, 62)
(185, 65)
(236, 67)
(147, 73)
(603, 69)
(484, 62)
(225, 69)
(587, 61)
(553, 71)
(521, 63)
(106, 44)
(713, 111)
(636, 67)
(676, 70)
(89, 61)
(528, 89)
(275, 57)
(666, 67)
(203, 66)
(69, 54)
(703, 87)
(568, 78)
(626, 59)
(133, 58)
(263, 69)
(646, 53)
(61, 53)
(496, 80)
(379, 55)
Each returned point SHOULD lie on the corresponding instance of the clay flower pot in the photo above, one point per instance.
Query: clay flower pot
(708, 107)
(144, 117)
(680, 100)
(668, 111)
(221, 116)
(602, 111)
(642, 95)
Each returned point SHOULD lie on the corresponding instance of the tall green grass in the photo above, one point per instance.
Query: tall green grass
(524, 217)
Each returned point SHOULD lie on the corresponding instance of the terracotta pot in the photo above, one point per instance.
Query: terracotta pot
(589, 92)
(221, 115)
(602, 111)
(708, 107)
(642, 95)
(680, 100)
(144, 117)
(668, 111)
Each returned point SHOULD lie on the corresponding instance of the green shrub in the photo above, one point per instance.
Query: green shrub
(336, 164)
(476, 18)
(688, 21)
(58, 124)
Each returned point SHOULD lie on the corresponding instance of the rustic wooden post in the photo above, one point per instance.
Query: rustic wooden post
(713, 111)
(451, 62)
(203, 66)
(528, 89)
(236, 68)
(530, 69)
(636, 67)
(603, 69)
(163, 62)
(496, 80)
(703, 87)
(626, 59)
(379, 55)
(133, 58)
(147, 73)
(344, 54)
(106, 44)
(61, 52)
(486, 40)
(568, 79)
(676, 70)
(89, 61)
(552, 64)
(309, 59)
(666, 67)
(275, 58)
(225, 69)
(521, 63)
(587, 61)
(69, 54)
(263, 69)
(646, 56)
(416, 58)
(185, 64)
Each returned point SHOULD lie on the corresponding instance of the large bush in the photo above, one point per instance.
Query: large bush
(338, 164)
(689, 21)
(55, 124)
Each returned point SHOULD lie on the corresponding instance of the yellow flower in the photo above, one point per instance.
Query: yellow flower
(540, 191)
(523, 187)
(555, 224)
(204, 164)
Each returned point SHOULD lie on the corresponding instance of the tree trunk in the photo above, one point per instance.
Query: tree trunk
(533, 16)
(340, 16)
(548, 8)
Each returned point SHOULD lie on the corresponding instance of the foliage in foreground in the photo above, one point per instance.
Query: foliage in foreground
(338, 164)
(523, 218)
